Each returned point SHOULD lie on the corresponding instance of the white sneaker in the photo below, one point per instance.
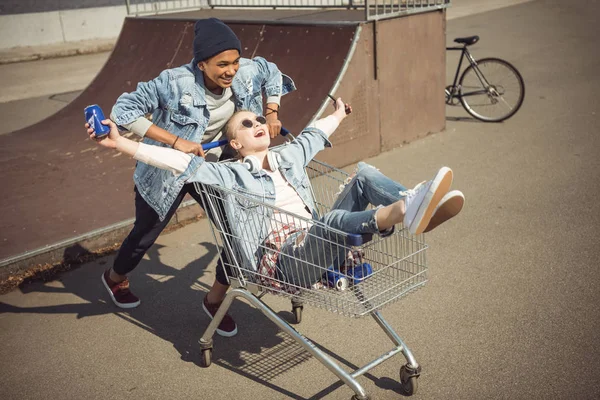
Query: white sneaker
(422, 200)
(450, 205)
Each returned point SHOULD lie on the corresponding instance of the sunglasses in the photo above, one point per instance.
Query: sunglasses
(248, 123)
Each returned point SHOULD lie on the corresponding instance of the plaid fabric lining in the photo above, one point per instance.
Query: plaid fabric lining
(270, 276)
(267, 267)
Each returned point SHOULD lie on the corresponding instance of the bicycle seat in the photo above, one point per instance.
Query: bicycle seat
(467, 40)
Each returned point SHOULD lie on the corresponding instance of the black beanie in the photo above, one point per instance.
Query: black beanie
(211, 37)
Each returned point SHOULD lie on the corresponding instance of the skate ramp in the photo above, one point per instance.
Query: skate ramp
(58, 185)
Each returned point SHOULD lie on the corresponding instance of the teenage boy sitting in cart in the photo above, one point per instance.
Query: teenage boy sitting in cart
(278, 178)
(190, 105)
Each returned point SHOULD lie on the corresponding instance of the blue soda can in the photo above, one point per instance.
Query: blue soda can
(93, 116)
(336, 280)
(361, 272)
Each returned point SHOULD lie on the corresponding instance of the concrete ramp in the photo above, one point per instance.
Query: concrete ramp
(58, 186)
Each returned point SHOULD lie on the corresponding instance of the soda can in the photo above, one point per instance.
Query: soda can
(336, 280)
(93, 116)
(360, 272)
(341, 283)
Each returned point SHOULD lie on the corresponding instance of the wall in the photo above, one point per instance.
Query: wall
(62, 26)
(406, 101)
(412, 75)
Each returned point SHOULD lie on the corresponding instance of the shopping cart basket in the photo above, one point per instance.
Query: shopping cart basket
(369, 272)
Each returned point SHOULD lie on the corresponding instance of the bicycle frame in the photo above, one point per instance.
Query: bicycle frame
(455, 92)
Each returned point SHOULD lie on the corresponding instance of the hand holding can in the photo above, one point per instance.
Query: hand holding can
(94, 116)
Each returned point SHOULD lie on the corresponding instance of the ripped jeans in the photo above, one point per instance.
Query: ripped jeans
(303, 253)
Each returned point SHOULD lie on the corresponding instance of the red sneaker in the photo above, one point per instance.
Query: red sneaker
(119, 292)
(227, 327)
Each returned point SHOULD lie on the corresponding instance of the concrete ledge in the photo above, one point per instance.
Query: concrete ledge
(56, 27)
(105, 241)
(33, 53)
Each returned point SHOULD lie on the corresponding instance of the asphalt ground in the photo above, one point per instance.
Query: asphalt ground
(510, 310)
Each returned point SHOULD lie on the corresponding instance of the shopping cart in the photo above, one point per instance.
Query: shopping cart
(370, 272)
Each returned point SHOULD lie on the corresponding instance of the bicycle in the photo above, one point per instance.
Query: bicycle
(490, 89)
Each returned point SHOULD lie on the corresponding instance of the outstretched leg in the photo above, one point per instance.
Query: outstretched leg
(368, 186)
(303, 260)
(414, 207)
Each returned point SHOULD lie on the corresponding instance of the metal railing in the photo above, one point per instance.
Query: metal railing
(380, 9)
(374, 9)
(289, 3)
(146, 7)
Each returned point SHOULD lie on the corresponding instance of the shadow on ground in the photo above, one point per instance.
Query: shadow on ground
(171, 299)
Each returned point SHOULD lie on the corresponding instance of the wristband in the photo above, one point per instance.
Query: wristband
(173, 145)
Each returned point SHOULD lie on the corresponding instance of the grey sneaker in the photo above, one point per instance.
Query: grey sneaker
(422, 200)
(449, 207)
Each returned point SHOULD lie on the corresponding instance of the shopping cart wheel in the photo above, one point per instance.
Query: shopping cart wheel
(408, 380)
(206, 357)
(297, 310)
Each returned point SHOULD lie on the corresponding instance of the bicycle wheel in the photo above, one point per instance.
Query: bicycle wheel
(492, 91)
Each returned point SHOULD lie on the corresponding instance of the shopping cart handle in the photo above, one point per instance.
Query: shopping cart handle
(212, 145)
(223, 142)
(355, 239)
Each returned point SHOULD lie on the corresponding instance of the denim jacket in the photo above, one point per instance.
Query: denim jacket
(250, 190)
(176, 99)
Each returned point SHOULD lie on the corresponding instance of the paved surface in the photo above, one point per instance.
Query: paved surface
(510, 310)
(17, 82)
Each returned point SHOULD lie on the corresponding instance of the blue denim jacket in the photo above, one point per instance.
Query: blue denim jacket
(176, 99)
(249, 190)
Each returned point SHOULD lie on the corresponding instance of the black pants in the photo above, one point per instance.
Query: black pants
(146, 229)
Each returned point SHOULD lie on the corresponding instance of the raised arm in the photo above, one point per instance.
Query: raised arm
(315, 137)
(330, 123)
(160, 157)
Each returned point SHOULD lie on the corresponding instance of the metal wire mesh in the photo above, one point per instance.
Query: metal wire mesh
(397, 263)
(378, 9)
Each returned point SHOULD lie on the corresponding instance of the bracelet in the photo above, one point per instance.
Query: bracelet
(272, 111)
(173, 145)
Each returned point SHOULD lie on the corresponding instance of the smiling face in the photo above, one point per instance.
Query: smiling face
(248, 133)
(220, 69)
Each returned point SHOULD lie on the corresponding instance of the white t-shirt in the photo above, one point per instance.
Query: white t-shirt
(287, 199)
